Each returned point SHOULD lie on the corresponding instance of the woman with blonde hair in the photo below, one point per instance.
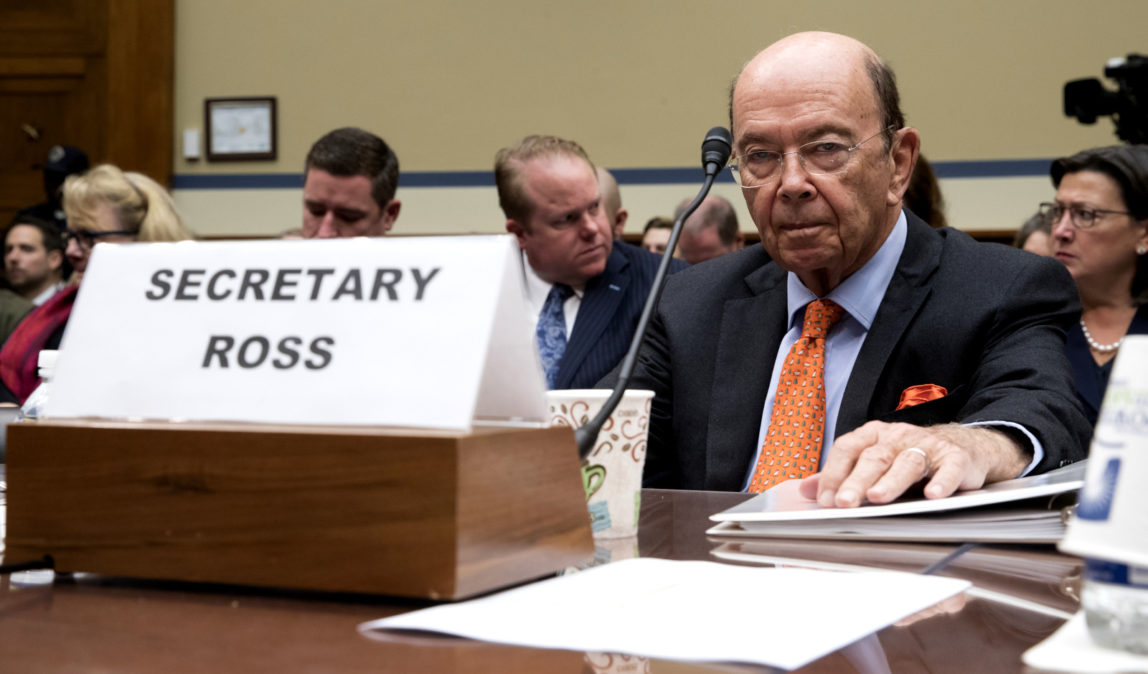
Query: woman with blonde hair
(103, 205)
(107, 204)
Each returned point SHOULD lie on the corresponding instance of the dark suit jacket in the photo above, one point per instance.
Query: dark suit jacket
(1092, 379)
(985, 321)
(608, 315)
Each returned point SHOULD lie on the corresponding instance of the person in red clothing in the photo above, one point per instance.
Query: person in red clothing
(103, 205)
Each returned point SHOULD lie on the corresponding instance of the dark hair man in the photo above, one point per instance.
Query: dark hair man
(656, 234)
(710, 231)
(34, 258)
(350, 177)
(584, 293)
(857, 346)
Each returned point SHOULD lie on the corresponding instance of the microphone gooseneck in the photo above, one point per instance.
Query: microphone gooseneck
(716, 149)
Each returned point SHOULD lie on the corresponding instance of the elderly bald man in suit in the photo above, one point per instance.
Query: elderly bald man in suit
(857, 348)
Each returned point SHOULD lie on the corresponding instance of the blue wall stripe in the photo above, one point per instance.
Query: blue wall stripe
(237, 181)
(997, 168)
(1001, 168)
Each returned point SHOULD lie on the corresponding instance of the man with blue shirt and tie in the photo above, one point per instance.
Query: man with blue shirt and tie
(584, 292)
(857, 347)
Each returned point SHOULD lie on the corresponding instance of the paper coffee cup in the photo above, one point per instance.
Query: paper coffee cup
(615, 663)
(1110, 521)
(612, 473)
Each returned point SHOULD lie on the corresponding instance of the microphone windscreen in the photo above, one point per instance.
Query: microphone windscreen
(717, 147)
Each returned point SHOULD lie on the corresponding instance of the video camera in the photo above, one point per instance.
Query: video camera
(1088, 99)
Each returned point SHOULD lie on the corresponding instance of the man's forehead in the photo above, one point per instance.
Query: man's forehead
(707, 234)
(804, 70)
(555, 178)
(817, 54)
(778, 83)
(25, 232)
(323, 185)
(548, 165)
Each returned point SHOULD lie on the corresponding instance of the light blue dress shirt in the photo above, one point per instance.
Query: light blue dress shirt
(860, 296)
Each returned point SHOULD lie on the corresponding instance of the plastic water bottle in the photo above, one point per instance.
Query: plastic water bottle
(30, 410)
(1115, 600)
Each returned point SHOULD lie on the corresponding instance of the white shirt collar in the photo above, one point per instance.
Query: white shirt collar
(47, 294)
(536, 288)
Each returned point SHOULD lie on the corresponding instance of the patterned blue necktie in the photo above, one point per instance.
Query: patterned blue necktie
(551, 331)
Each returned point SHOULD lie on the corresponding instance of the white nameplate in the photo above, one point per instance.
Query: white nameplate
(405, 331)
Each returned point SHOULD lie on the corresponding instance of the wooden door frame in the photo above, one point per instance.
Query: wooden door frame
(128, 49)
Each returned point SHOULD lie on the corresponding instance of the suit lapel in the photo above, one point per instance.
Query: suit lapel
(600, 302)
(910, 285)
(740, 386)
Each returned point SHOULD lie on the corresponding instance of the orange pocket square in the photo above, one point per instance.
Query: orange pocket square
(921, 393)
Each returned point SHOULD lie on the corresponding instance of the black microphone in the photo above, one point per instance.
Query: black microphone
(716, 148)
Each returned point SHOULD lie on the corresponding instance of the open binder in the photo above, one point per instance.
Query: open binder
(1025, 510)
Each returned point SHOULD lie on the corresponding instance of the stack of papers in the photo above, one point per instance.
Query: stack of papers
(697, 611)
(1025, 510)
(1012, 577)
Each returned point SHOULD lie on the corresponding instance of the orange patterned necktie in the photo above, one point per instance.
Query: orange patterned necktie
(792, 446)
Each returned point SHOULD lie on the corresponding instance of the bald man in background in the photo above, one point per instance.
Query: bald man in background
(710, 231)
(612, 203)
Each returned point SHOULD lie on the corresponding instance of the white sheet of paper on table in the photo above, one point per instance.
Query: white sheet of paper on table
(695, 611)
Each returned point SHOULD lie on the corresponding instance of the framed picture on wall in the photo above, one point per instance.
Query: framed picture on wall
(240, 129)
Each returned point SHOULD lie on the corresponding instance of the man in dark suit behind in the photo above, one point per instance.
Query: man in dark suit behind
(549, 191)
(972, 332)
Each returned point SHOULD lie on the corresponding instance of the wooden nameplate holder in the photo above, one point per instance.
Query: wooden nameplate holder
(412, 513)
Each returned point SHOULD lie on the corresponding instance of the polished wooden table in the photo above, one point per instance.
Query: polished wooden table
(92, 624)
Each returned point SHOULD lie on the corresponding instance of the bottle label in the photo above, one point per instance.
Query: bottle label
(1115, 573)
(1096, 497)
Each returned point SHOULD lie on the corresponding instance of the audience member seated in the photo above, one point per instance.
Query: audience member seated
(616, 216)
(583, 293)
(924, 196)
(63, 161)
(350, 178)
(656, 234)
(710, 231)
(34, 258)
(1035, 235)
(909, 353)
(1100, 233)
(103, 205)
(13, 309)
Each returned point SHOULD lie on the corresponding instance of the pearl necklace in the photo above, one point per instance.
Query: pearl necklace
(1102, 348)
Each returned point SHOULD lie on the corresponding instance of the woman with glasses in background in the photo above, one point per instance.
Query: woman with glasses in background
(108, 205)
(1100, 234)
(103, 205)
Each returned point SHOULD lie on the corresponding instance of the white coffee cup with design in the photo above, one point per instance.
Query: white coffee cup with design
(612, 472)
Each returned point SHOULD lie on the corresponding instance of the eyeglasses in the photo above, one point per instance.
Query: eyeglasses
(86, 239)
(819, 157)
(1082, 218)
